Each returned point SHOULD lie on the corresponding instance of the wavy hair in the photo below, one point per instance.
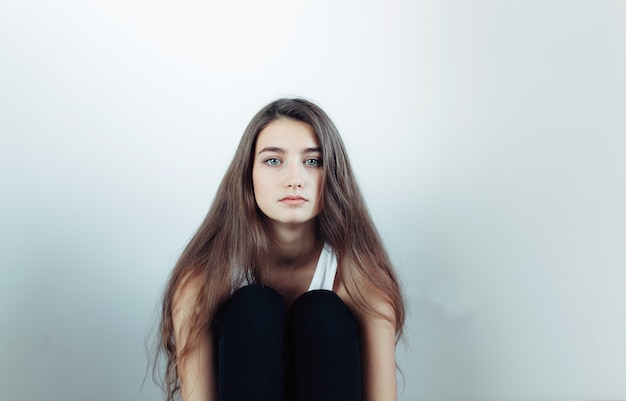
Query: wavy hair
(235, 234)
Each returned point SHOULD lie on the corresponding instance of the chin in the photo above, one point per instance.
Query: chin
(293, 221)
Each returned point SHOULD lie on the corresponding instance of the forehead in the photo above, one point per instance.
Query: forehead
(287, 134)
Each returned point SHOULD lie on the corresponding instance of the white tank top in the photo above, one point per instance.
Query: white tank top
(325, 271)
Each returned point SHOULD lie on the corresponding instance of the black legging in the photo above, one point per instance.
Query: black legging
(263, 353)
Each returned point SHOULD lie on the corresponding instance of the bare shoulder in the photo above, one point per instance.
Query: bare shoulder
(381, 311)
(184, 299)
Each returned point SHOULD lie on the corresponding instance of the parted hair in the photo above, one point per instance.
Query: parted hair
(233, 244)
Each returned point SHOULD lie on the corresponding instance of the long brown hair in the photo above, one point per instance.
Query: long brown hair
(233, 243)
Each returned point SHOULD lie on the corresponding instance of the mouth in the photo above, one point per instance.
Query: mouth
(293, 200)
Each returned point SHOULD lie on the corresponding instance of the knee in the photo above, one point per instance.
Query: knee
(256, 295)
(323, 313)
(254, 307)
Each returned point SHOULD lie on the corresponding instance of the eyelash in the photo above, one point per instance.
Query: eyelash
(268, 161)
(318, 162)
(271, 160)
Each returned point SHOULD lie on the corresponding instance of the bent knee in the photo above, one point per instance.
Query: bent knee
(322, 312)
(254, 306)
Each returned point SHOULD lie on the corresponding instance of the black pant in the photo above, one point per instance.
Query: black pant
(264, 353)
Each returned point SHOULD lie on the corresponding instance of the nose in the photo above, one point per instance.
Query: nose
(294, 176)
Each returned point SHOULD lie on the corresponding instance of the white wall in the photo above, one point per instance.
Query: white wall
(488, 137)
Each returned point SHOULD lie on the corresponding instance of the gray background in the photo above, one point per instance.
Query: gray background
(488, 138)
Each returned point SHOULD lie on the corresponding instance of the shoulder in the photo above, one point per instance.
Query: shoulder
(378, 310)
(185, 300)
(197, 291)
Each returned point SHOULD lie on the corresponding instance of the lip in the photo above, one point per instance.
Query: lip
(293, 200)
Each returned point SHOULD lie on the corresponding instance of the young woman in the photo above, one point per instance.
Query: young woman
(285, 292)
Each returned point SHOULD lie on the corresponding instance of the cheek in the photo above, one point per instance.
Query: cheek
(258, 185)
(255, 184)
(318, 187)
(319, 182)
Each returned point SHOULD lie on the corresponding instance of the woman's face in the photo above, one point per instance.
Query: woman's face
(287, 173)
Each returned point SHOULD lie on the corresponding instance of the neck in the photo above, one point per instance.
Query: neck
(296, 245)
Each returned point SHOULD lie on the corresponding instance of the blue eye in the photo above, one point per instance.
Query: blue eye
(272, 161)
(313, 162)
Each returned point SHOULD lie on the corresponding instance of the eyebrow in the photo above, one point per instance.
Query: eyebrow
(274, 149)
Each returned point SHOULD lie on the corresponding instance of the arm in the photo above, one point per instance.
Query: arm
(196, 372)
(378, 346)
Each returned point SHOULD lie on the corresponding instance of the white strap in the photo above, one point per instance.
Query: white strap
(325, 271)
